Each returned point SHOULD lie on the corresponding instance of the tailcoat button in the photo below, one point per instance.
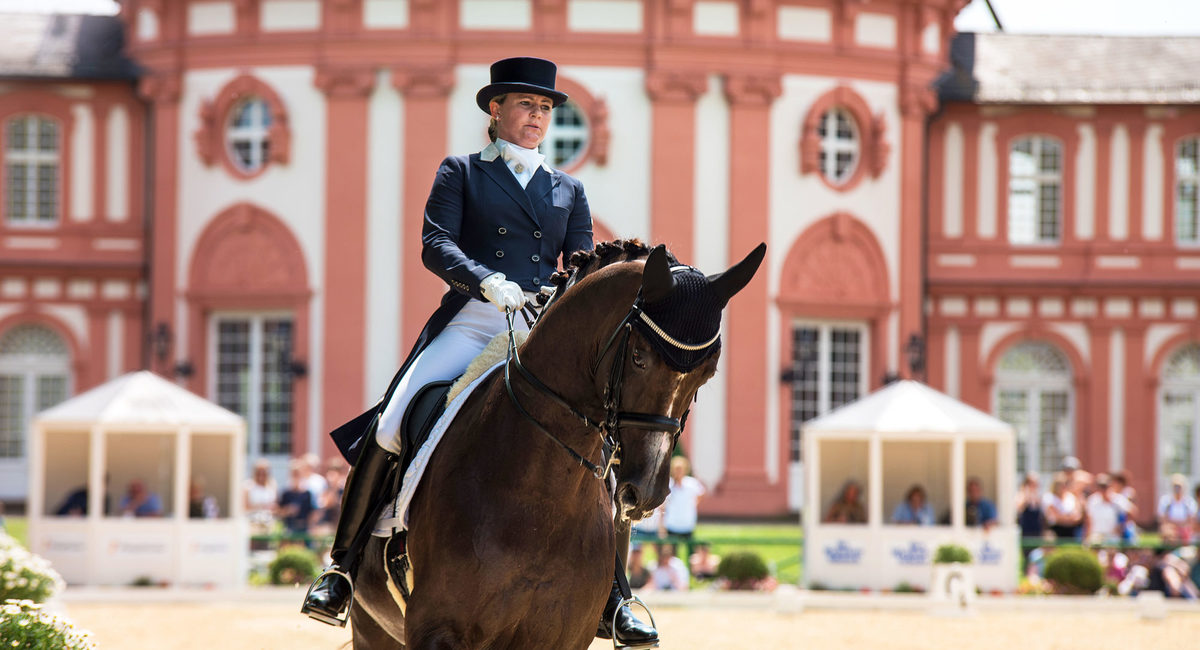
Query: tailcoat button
(502, 230)
(537, 280)
(499, 253)
(537, 234)
(536, 258)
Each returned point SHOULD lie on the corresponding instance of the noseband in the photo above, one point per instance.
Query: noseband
(614, 418)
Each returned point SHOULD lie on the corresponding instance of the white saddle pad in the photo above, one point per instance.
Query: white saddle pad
(395, 518)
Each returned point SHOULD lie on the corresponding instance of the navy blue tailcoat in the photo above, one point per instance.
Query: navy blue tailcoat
(478, 220)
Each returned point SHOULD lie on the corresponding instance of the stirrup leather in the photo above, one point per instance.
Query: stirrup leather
(334, 619)
(632, 600)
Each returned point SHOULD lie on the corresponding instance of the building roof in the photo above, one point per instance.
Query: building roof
(141, 399)
(910, 407)
(1060, 69)
(62, 46)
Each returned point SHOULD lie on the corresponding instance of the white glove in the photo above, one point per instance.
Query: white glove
(502, 293)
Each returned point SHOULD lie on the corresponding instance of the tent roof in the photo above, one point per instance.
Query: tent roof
(141, 398)
(909, 407)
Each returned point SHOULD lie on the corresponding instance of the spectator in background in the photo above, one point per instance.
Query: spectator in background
(670, 573)
(260, 495)
(1104, 513)
(639, 575)
(1079, 480)
(1176, 512)
(679, 510)
(75, 504)
(1168, 573)
(313, 479)
(201, 505)
(140, 502)
(1029, 507)
(297, 507)
(848, 508)
(652, 525)
(914, 509)
(1121, 488)
(330, 503)
(979, 511)
(1063, 509)
(703, 563)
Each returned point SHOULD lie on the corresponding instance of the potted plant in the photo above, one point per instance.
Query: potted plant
(953, 579)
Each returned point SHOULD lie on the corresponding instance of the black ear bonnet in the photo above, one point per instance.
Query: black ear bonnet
(684, 326)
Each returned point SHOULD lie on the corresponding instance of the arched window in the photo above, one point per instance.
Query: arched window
(35, 374)
(1033, 393)
(1035, 190)
(247, 135)
(31, 170)
(567, 141)
(1187, 191)
(244, 128)
(840, 145)
(1179, 424)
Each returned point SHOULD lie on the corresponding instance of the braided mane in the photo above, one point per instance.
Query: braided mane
(584, 262)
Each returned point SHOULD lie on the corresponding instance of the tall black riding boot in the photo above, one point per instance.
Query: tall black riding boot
(629, 631)
(332, 591)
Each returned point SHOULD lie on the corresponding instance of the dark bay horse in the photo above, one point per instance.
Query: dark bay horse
(511, 539)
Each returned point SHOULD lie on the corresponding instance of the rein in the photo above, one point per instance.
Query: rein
(614, 418)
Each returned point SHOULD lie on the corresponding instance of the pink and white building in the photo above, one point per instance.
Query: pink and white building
(243, 212)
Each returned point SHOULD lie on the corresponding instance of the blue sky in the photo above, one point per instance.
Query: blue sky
(1128, 17)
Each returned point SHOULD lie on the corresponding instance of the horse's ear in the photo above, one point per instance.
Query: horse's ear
(657, 281)
(735, 279)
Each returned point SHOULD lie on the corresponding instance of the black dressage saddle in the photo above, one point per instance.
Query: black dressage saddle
(422, 413)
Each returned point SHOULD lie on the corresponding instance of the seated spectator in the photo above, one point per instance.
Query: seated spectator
(75, 504)
(139, 502)
(1176, 512)
(200, 505)
(1168, 573)
(1104, 513)
(848, 508)
(1029, 507)
(703, 563)
(639, 575)
(297, 508)
(914, 509)
(259, 495)
(1063, 510)
(979, 511)
(670, 573)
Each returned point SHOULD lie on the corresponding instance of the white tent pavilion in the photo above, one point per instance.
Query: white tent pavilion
(902, 435)
(138, 428)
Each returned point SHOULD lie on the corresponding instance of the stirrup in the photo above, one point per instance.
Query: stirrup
(632, 600)
(325, 617)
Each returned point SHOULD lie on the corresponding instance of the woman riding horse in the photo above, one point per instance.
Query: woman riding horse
(496, 223)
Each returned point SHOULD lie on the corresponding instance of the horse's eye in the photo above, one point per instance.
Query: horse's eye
(637, 359)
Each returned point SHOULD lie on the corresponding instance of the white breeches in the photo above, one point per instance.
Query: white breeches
(446, 357)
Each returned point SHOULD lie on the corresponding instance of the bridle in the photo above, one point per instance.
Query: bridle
(614, 418)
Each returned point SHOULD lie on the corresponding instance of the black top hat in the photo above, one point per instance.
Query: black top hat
(521, 74)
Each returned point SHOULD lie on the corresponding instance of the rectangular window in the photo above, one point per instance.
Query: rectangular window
(1034, 191)
(829, 369)
(31, 171)
(1187, 195)
(253, 378)
(12, 416)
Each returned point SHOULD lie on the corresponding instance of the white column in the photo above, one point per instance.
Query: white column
(83, 142)
(958, 485)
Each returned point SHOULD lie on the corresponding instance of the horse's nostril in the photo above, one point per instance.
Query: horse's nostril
(627, 496)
